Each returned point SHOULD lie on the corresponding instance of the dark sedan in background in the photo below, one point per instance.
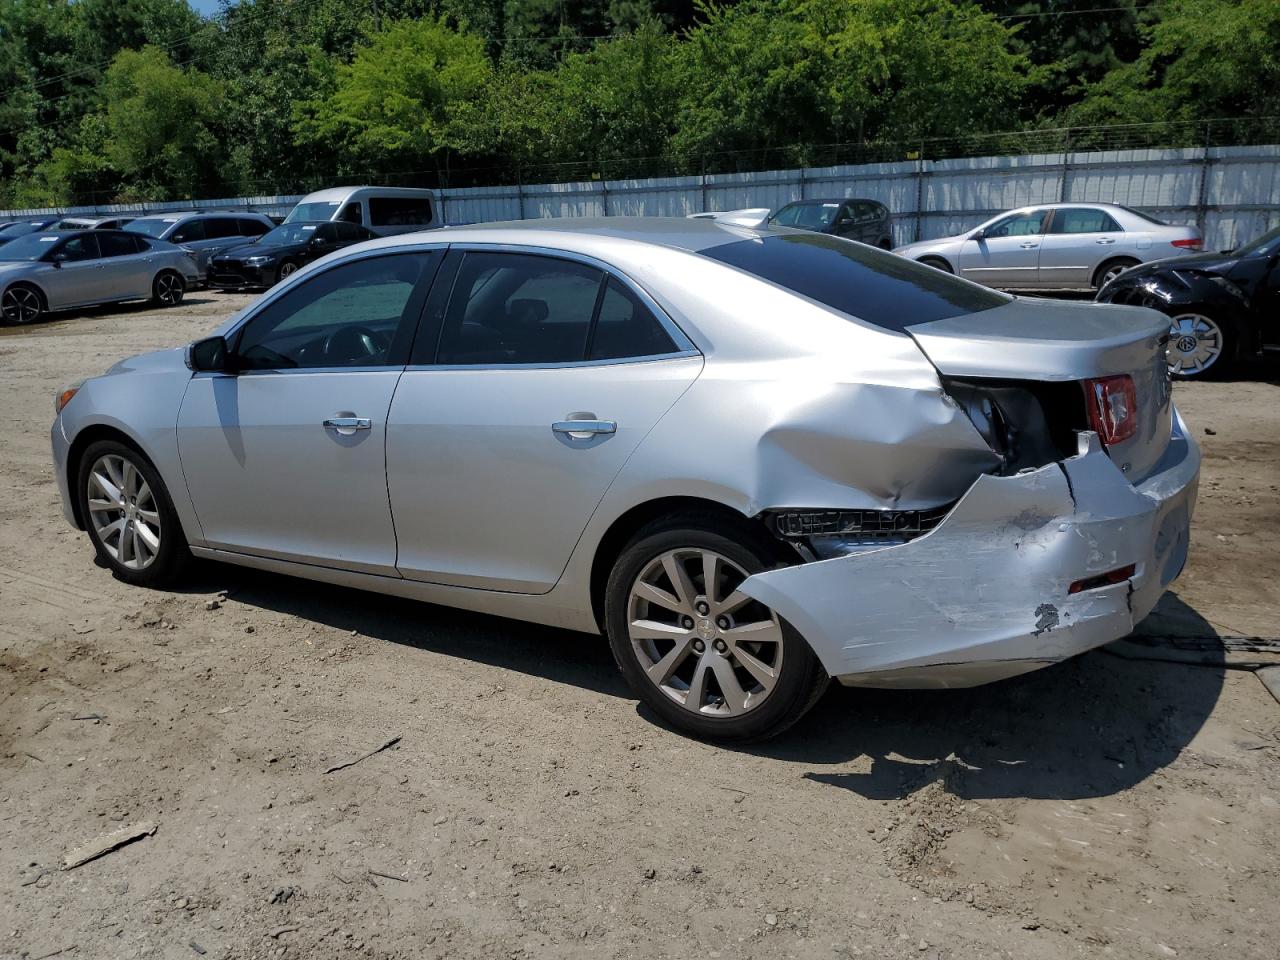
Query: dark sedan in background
(867, 221)
(1224, 307)
(281, 252)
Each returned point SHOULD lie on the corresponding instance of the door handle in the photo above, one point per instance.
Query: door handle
(1028, 246)
(584, 429)
(1105, 240)
(346, 426)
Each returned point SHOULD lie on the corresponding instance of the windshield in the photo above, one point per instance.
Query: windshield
(875, 286)
(18, 229)
(807, 216)
(1267, 243)
(31, 247)
(290, 233)
(323, 210)
(151, 228)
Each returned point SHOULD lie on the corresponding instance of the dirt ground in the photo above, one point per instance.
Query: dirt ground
(1106, 807)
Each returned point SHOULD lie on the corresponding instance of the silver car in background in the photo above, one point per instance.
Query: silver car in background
(1056, 246)
(755, 459)
(45, 272)
(203, 234)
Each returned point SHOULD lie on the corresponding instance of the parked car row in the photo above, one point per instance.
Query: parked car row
(49, 263)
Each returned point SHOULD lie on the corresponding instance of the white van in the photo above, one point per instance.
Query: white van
(384, 210)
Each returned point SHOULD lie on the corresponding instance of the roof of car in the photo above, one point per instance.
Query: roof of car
(176, 215)
(681, 232)
(822, 200)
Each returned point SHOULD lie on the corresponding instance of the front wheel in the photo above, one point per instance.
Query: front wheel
(937, 263)
(21, 304)
(168, 289)
(1199, 346)
(129, 516)
(702, 655)
(287, 269)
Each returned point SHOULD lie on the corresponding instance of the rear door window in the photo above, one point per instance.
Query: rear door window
(1082, 220)
(399, 211)
(117, 244)
(251, 228)
(514, 308)
(874, 286)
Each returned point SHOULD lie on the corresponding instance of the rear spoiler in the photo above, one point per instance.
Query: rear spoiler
(746, 217)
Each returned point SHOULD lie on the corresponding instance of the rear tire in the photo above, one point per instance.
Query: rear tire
(168, 289)
(709, 662)
(21, 304)
(1110, 270)
(937, 263)
(129, 515)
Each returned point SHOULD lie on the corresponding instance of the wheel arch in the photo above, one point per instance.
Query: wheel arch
(34, 285)
(926, 257)
(85, 438)
(624, 528)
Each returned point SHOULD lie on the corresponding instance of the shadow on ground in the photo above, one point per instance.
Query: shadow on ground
(1089, 727)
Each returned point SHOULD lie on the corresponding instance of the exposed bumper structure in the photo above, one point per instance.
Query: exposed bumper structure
(985, 595)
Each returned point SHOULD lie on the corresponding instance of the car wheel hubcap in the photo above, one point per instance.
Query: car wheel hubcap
(170, 289)
(20, 305)
(124, 512)
(706, 645)
(1111, 274)
(1195, 344)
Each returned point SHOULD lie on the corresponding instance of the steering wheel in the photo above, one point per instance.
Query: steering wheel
(349, 344)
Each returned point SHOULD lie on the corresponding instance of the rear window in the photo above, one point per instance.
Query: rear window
(1143, 216)
(875, 286)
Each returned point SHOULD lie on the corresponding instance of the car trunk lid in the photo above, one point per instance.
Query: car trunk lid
(1056, 344)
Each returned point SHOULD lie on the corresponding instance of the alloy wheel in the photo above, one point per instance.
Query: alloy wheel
(706, 645)
(1111, 273)
(168, 289)
(124, 512)
(1195, 344)
(288, 269)
(20, 305)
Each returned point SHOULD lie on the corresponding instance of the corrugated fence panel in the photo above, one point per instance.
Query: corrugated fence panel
(1233, 191)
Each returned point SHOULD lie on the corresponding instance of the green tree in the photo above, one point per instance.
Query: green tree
(162, 126)
(414, 92)
(769, 74)
(1200, 59)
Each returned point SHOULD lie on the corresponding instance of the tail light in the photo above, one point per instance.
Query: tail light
(1191, 243)
(1113, 408)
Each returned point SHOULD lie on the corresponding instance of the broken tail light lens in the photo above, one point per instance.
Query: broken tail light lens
(1108, 579)
(1113, 408)
(1191, 243)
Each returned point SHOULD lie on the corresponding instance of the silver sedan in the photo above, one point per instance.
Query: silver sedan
(45, 272)
(1057, 246)
(754, 459)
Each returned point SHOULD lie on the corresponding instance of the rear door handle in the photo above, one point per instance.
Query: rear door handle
(1029, 246)
(584, 429)
(1105, 240)
(346, 426)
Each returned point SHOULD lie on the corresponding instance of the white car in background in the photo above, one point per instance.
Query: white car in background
(1056, 246)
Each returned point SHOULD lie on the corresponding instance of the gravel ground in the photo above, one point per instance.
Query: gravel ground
(1108, 806)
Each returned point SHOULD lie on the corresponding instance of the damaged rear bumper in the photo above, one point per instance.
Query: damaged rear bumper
(985, 595)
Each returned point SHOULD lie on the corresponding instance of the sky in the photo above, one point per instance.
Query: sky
(205, 7)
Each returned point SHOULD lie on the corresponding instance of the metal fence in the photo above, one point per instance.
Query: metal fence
(1231, 192)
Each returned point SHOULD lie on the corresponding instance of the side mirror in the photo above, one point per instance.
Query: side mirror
(979, 235)
(209, 354)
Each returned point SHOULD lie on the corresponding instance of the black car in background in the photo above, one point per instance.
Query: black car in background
(1225, 307)
(853, 218)
(20, 228)
(280, 252)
